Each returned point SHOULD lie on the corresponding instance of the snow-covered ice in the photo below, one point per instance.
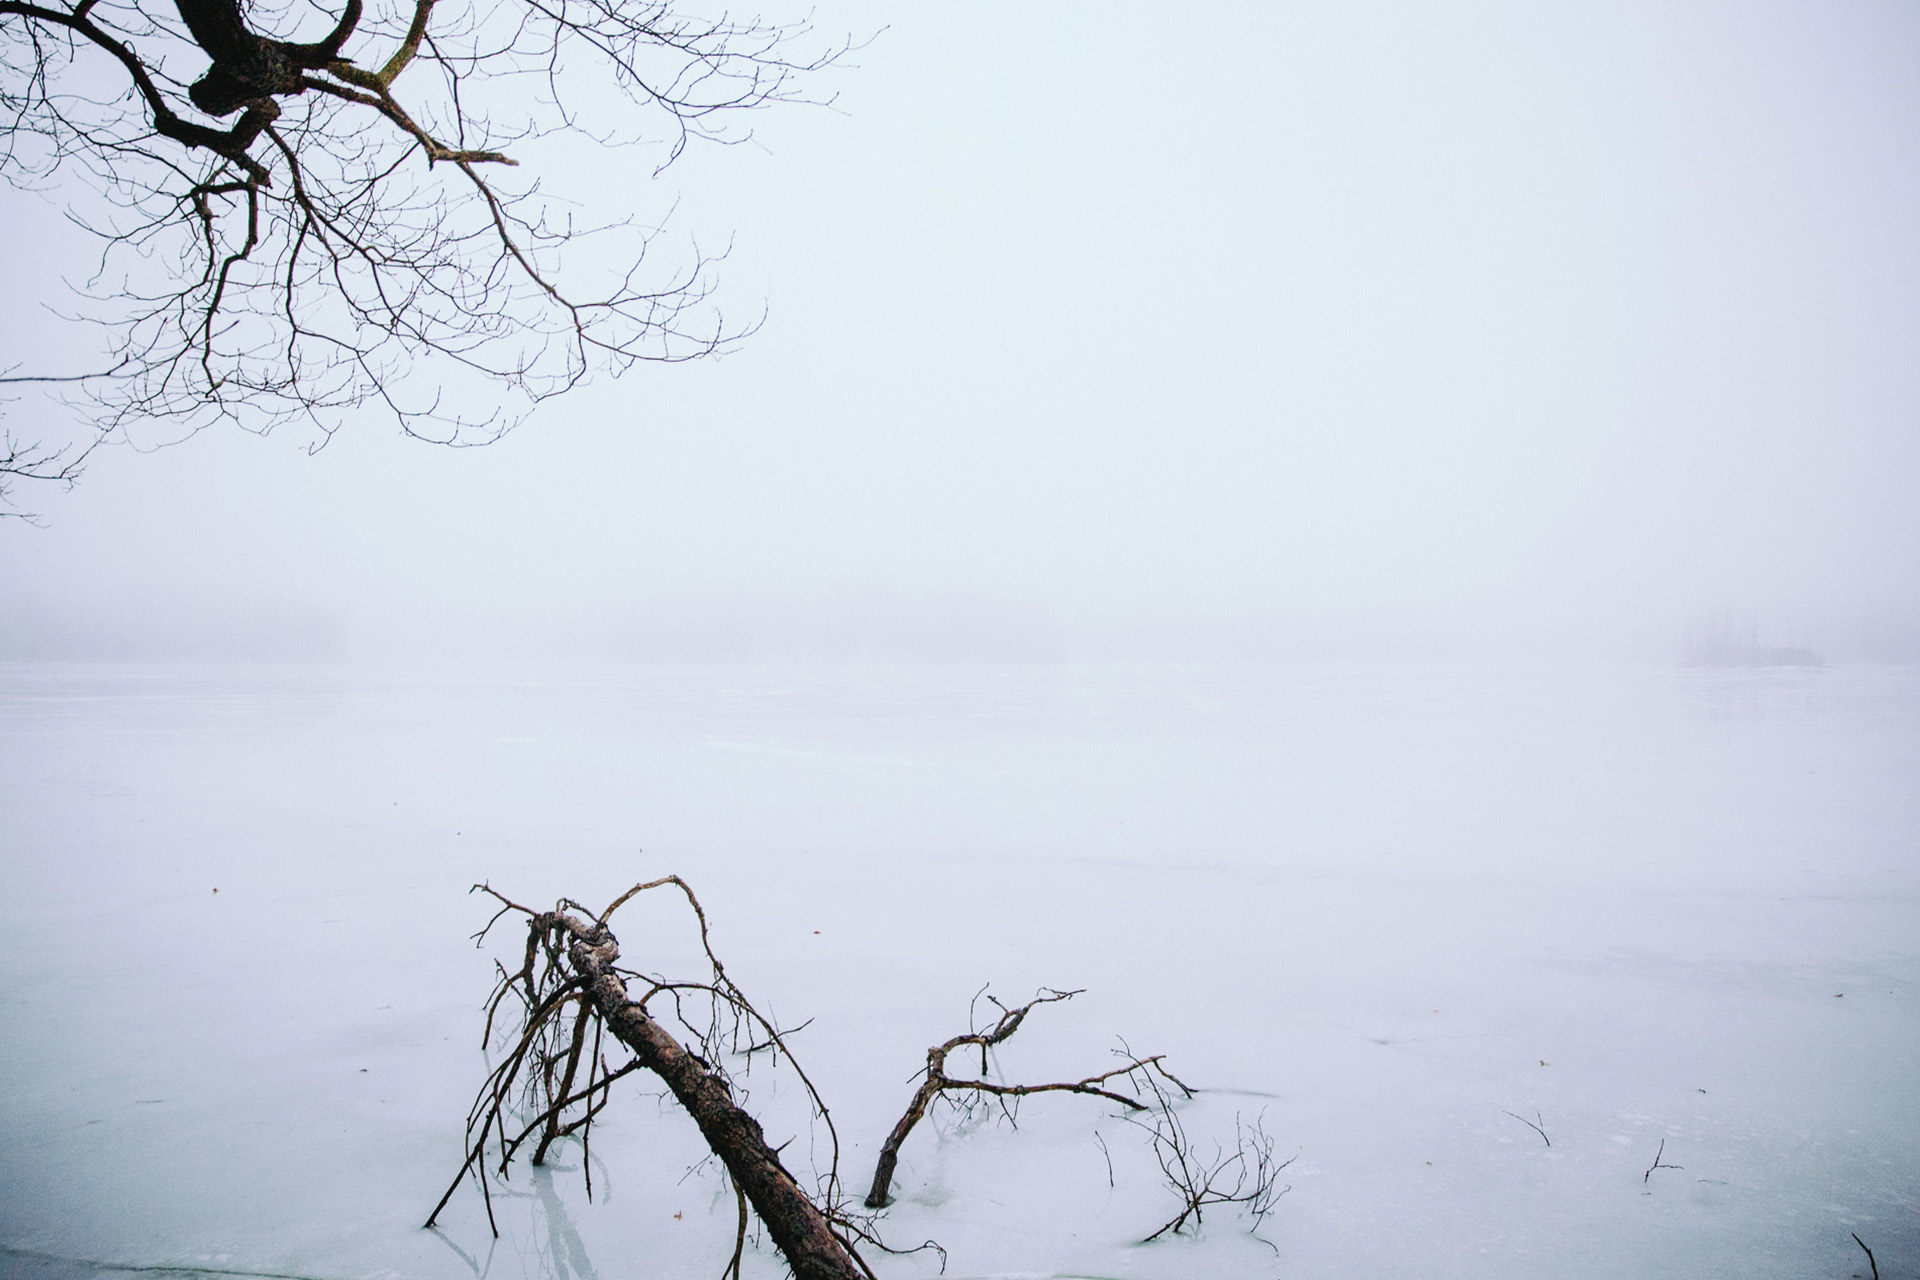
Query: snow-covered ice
(1382, 907)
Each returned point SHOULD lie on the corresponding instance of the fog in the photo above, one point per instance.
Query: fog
(1380, 542)
(1282, 331)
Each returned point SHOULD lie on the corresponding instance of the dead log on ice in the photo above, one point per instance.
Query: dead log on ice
(571, 963)
(554, 1080)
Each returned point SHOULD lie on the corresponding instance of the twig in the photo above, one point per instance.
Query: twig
(739, 1236)
(1870, 1262)
(1657, 1164)
(1537, 1128)
(1201, 1181)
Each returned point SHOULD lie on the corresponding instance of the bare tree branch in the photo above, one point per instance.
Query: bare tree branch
(935, 1082)
(347, 239)
(38, 463)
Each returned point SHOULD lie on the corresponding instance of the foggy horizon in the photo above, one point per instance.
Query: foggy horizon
(1480, 330)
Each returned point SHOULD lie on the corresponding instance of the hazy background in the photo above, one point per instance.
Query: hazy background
(1233, 331)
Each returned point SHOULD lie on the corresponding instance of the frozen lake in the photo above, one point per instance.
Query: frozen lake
(1381, 906)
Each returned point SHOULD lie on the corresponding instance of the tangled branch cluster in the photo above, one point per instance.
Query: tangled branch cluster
(572, 1004)
(350, 232)
(1247, 1176)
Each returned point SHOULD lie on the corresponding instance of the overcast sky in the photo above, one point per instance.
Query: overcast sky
(1245, 329)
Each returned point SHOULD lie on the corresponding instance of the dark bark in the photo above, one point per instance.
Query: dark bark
(798, 1227)
(580, 1022)
(881, 1193)
(247, 67)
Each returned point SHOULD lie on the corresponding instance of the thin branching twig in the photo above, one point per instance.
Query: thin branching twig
(1537, 1124)
(1658, 1163)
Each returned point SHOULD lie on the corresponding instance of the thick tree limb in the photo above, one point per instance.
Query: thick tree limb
(572, 958)
(796, 1224)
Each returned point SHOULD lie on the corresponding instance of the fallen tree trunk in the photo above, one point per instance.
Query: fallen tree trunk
(574, 995)
(799, 1229)
(581, 955)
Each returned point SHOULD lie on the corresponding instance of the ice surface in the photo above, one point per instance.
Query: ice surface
(1382, 907)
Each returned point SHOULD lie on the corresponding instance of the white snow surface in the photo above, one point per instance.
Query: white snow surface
(1380, 907)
